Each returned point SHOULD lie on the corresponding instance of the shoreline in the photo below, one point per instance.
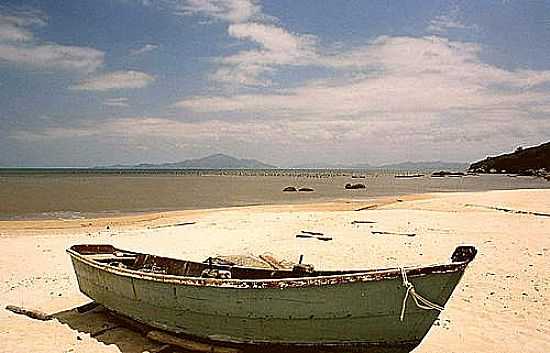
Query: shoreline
(76, 198)
(131, 220)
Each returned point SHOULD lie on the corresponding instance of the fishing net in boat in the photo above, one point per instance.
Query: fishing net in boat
(266, 260)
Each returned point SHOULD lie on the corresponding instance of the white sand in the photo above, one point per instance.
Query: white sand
(501, 304)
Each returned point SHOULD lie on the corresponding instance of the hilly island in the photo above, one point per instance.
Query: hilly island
(528, 161)
(224, 161)
(214, 161)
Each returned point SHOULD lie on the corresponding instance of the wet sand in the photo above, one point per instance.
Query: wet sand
(501, 305)
(77, 196)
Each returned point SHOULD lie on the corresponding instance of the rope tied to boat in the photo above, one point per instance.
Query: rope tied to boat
(419, 300)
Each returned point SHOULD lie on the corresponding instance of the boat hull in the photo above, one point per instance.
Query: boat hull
(357, 315)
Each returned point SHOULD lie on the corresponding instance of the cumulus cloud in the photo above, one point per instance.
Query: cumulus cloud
(53, 56)
(390, 91)
(144, 127)
(234, 11)
(144, 49)
(407, 74)
(450, 21)
(114, 81)
(15, 23)
(427, 91)
(275, 46)
(116, 102)
(19, 46)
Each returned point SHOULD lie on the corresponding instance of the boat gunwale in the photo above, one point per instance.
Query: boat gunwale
(291, 282)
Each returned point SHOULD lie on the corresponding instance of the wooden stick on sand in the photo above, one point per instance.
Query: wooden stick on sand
(366, 208)
(187, 344)
(393, 233)
(33, 314)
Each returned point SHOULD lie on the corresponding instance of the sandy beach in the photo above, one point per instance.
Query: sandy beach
(501, 305)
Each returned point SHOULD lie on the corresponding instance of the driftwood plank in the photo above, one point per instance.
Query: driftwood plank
(324, 238)
(172, 225)
(393, 233)
(311, 233)
(33, 314)
(366, 208)
(188, 344)
(362, 222)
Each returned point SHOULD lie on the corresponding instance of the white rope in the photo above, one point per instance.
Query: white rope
(420, 301)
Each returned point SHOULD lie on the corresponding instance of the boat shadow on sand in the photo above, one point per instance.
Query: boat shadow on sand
(129, 336)
(105, 328)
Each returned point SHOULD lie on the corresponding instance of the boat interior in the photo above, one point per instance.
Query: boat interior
(210, 268)
(219, 268)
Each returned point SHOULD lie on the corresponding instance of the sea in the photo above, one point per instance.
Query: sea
(82, 193)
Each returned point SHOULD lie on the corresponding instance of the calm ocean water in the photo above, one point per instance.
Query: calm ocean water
(83, 193)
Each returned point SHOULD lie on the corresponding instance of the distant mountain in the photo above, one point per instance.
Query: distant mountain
(426, 166)
(223, 161)
(215, 161)
(520, 161)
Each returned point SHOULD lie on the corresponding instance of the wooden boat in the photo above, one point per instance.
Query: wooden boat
(255, 309)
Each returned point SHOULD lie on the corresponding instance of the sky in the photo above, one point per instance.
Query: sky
(87, 83)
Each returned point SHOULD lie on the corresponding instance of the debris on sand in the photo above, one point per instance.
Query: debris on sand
(366, 208)
(362, 222)
(311, 233)
(319, 236)
(324, 238)
(393, 233)
(540, 214)
(172, 225)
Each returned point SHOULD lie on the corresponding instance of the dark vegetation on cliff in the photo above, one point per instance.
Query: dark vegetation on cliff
(528, 161)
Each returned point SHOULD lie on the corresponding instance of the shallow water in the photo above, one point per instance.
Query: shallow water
(74, 195)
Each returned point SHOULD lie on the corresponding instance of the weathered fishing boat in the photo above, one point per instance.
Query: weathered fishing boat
(258, 309)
